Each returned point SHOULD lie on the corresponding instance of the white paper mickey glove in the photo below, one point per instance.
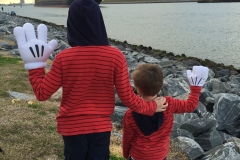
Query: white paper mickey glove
(198, 75)
(34, 52)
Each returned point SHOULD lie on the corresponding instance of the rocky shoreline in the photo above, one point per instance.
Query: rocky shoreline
(211, 132)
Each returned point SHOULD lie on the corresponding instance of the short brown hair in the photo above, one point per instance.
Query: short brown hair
(148, 78)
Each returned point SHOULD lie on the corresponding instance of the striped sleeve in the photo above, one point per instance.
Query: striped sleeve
(44, 86)
(189, 105)
(128, 134)
(125, 92)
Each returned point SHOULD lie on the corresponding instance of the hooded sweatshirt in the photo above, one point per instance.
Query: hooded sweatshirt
(87, 73)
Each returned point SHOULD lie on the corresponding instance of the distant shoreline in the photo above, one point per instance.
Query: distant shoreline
(129, 2)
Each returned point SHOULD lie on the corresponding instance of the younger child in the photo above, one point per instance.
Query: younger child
(147, 137)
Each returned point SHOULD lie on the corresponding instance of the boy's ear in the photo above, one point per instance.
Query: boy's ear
(139, 91)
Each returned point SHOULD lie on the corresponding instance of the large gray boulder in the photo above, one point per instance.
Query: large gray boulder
(209, 140)
(227, 151)
(189, 147)
(198, 126)
(227, 113)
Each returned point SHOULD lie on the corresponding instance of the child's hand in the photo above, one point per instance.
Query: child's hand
(198, 75)
(161, 104)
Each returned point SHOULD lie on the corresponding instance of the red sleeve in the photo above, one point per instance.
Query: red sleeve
(189, 105)
(125, 91)
(44, 86)
(128, 134)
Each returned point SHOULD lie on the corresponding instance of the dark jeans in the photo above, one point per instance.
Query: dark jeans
(94, 146)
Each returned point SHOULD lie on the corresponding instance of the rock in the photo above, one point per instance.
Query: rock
(148, 59)
(130, 60)
(139, 57)
(174, 87)
(209, 140)
(180, 132)
(3, 29)
(21, 96)
(188, 146)
(219, 87)
(198, 126)
(14, 52)
(223, 72)
(234, 82)
(167, 72)
(121, 47)
(201, 110)
(226, 111)
(225, 151)
(62, 45)
(191, 62)
(225, 136)
(236, 142)
(183, 96)
(118, 114)
(211, 74)
(182, 118)
(235, 91)
(207, 99)
(224, 79)
(166, 63)
(7, 46)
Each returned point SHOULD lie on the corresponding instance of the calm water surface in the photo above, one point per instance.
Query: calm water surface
(210, 30)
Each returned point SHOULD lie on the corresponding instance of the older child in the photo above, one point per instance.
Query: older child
(147, 137)
(88, 73)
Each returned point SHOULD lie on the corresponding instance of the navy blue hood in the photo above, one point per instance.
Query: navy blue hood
(148, 124)
(85, 25)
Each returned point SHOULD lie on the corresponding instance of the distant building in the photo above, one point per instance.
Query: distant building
(22, 1)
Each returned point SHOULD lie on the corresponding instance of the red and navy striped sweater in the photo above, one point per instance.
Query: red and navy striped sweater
(156, 145)
(87, 76)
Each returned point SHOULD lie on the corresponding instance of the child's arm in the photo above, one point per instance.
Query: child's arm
(126, 94)
(34, 52)
(197, 78)
(45, 85)
(189, 105)
(128, 134)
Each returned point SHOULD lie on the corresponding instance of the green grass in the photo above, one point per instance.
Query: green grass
(34, 105)
(113, 157)
(9, 60)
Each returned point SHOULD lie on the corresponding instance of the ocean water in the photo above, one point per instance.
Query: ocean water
(203, 30)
